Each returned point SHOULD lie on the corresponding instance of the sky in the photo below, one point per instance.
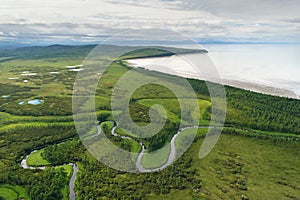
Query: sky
(90, 21)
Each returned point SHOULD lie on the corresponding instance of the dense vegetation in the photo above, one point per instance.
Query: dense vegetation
(53, 51)
(256, 157)
(263, 112)
(112, 184)
(53, 179)
(61, 153)
(7, 89)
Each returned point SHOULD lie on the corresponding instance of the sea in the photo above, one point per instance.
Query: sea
(266, 68)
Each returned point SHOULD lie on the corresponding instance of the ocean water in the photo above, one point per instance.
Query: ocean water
(268, 64)
(272, 65)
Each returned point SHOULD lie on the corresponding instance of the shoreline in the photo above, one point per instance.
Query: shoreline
(261, 88)
(254, 86)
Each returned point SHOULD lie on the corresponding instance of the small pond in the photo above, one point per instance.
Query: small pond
(35, 102)
(32, 102)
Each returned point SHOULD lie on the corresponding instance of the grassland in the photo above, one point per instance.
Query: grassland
(35, 159)
(156, 159)
(128, 144)
(9, 192)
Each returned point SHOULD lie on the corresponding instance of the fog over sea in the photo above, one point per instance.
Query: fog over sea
(266, 68)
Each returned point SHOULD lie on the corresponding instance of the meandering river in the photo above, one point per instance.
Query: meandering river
(72, 180)
(141, 154)
(138, 162)
(139, 165)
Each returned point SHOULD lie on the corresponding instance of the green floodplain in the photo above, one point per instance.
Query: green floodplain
(256, 157)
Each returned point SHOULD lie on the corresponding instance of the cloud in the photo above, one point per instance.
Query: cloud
(94, 20)
(250, 10)
(293, 20)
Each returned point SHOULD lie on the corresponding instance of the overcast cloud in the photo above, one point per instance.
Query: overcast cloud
(36, 21)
